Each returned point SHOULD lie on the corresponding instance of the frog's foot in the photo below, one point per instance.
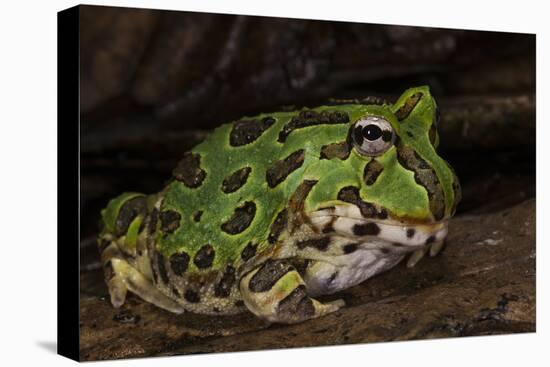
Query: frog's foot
(276, 292)
(416, 256)
(122, 277)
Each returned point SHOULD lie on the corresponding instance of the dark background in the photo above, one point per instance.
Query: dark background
(153, 83)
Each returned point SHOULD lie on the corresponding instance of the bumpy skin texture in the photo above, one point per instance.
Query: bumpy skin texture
(271, 209)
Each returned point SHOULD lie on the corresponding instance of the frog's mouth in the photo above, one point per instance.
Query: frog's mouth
(345, 221)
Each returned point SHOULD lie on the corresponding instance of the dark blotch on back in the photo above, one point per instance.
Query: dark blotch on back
(249, 251)
(280, 170)
(128, 212)
(204, 257)
(169, 220)
(410, 103)
(336, 150)
(278, 226)
(241, 219)
(311, 118)
(236, 180)
(189, 170)
(268, 274)
(223, 288)
(366, 229)
(373, 169)
(320, 244)
(297, 304)
(179, 263)
(246, 131)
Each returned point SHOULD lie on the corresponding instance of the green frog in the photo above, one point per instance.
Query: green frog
(271, 211)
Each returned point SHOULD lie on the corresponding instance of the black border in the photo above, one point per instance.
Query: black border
(68, 183)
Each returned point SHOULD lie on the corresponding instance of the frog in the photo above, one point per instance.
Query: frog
(271, 212)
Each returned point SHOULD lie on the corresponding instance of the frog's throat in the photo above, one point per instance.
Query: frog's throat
(344, 222)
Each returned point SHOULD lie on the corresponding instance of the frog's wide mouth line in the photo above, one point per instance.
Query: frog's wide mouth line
(349, 224)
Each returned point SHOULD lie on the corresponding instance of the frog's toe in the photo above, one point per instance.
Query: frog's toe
(117, 290)
(138, 284)
(339, 303)
(416, 256)
(436, 248)
(122, 277)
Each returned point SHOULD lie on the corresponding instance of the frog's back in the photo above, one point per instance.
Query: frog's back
(230, 192)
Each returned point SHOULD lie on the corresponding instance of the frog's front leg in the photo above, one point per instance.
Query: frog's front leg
(276, 292)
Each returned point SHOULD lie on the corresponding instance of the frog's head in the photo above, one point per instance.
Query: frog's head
(393, 184)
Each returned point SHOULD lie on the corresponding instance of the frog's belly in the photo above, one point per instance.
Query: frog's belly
(323, 277)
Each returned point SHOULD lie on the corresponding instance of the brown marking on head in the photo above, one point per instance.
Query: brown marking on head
(336, 150)
(410, 103)
(247, 131)
(369, 100)
(350, 194)
(280, 170)
(309, 118)
(372, 170)
(425, 176)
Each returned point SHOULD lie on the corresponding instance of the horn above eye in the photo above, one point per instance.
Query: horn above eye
(372, 136)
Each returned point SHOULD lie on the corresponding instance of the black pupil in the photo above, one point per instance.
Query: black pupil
(372, 132)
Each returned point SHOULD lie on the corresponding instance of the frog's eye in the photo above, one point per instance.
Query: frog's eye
(372, 136)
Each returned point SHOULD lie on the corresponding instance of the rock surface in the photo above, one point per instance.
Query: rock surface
(482, 283)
